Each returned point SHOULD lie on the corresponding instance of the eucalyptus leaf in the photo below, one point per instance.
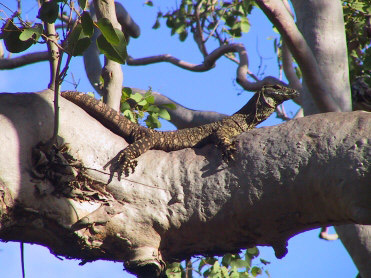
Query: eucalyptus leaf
(48, 12)
(87, 24)
(10, 34)
(82, 4)
(170, 106)
(164, 114)
(109, 33)
(116, 52)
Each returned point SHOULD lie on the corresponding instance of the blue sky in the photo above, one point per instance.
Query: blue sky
(214, 90)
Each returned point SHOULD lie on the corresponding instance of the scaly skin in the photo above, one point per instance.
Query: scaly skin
(221, 133)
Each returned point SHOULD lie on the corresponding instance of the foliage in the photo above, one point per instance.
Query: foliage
(357, 17)
(19, 35)
(135, 106)
(230, 265)
(223, 20)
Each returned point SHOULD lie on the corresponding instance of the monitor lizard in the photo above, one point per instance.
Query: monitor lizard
(221, 133)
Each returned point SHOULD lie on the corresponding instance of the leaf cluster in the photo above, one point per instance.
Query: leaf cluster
(223, 20)
(357, 17)
(230, 265)
(135, 107)
(18, 35)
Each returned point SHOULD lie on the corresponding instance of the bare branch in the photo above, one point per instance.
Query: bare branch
(209, 63)
(183, 117)
(126, 21)
(281, 18)
(12, 63)
(287, 63)
(198, 33)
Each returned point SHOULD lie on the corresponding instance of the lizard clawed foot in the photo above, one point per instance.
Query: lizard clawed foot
(228, 152)
(123, 162)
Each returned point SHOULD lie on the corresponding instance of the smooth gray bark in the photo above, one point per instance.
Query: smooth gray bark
(289, 178)
(322, 25)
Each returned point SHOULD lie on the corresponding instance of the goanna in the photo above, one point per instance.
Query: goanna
(221, 133)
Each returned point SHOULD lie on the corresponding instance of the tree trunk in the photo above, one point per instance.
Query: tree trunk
(325, 35)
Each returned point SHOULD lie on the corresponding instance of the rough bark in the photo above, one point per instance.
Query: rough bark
(300, 175)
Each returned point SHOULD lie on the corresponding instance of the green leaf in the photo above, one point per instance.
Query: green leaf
(77, 41)
(152, 121)
(153, 109)
(238, 263)
(149, 3)
(129, 114)
(87, 24)
(82, 4)
(265, 262)
(245, 25)
(255, 271)
(10, 34)
(156, 25)
(164, 114)
(180, 28)
(126, 92)
(227, 259)
(170, 22)
(183, 35)
(150, 99)
(253, 251)
(170, 106)
(48, 12)
(34, 33)
(115, 53)
(215, 270)
(109, 33)
(367, 59)
(125, 106)
(136, 97)
(224, 271)
(142, 102)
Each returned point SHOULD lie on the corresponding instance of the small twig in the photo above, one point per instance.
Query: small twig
(199, 37)
(216, 26)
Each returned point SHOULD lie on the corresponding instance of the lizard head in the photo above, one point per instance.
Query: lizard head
(276, 94)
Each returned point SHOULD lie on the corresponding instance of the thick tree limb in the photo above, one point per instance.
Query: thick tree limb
(322, 24)
(286, 179)
(281, 18)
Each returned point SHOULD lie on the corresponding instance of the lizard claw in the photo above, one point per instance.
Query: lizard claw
(228, 153)
(125, 164)
(121, 163)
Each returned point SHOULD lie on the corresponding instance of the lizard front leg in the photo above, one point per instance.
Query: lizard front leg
(125, 162)
(225, 134)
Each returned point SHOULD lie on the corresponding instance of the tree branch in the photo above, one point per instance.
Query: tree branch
(112, 73)
(12, 63)
(288, 68)
(183, 117)
(281, 18)
(286, 179)
(209, 63)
